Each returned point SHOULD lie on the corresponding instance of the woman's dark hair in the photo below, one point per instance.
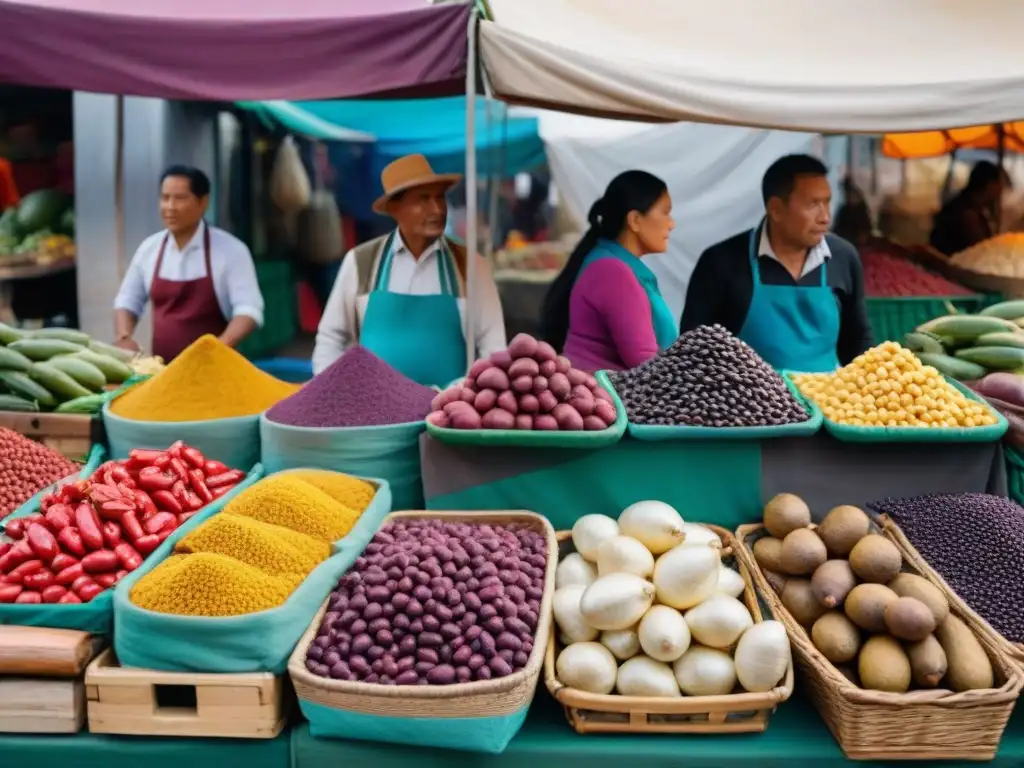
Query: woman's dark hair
(629, 191)
(198, 182)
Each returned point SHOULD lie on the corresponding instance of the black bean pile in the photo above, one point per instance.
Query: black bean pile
(707, 378)
(976, 543)
(434, 603)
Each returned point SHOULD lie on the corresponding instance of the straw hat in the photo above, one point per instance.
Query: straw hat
(406, 173)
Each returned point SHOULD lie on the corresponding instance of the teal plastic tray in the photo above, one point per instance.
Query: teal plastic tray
(529, 439)
(653, 433)
(988, 434)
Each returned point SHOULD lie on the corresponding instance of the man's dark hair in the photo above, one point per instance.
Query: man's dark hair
(780, 178)
(198, 182)
(984, 173)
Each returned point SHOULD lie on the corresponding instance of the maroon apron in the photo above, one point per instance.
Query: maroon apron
(183, 310)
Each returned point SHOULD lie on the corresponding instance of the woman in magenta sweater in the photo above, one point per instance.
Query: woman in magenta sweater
(604, 310)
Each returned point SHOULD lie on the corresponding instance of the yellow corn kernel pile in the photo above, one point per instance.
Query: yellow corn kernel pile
(206, 584)
(270, 548)
(888, 386)
(293, 503)
(348, 490)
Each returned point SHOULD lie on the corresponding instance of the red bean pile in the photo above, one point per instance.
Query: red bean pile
(26, 467)
(976, 543)
(888, 276)
(434, 603)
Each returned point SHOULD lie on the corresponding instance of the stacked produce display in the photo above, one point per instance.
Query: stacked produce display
(966, 347)
(39, 229)
(707, 378)
(1002, 256)
(27, 467)
(645, 607)
(89, 534)
(889, 276)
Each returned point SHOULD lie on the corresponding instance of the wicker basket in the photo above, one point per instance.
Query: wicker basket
(481, 699)
(876, 725)
(609, 713)
(1014, 650)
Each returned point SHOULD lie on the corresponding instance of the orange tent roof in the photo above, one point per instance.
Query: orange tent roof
(908, 146)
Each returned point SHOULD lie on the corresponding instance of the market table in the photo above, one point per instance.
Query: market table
(714, 481)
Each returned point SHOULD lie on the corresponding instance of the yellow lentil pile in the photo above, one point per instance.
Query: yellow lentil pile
(253, 555)
(207, 584)
(348, 490)
(209, 380)
(888, 386)
(272, 549)
(286, 500)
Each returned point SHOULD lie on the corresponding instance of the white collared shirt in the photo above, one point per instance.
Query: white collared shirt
(234, 274)
(817, 256)
(345, 310)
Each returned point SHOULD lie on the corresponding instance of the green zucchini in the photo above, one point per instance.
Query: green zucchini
(111, 351)
(922, 341)
(113, 369)
(966, 327)
(955, 368)
(82, 371)
(9, 334)
(10, 360)
(1008, 310)
(59, 383)
(87, 404)
(64, 334)
(15, 403)
(43, 349)
(994, 358)
(1000, 339)
(18, 383)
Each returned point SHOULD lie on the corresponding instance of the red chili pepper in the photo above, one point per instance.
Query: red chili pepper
(9, 592)
(119, 474)
(163, 462)
(100, 561)
(165, 533)
(54, 593)
(184, 517)
(42, 542)
(198, 483)
(144, 504)
(5, 547)
(38, 581)
(129, 558)
(70, 597)
(83, 579)
(176, 448)
(224, 489)
(146, 544)
(61, 561)
(29, 597)
(88, 526)
(74, 492)
(214, 467)
(114, 510)
(231, 477)
(166, 501)
(179, 469)
(159, 521)
(131, 527)
(48, 501)
(127, 491)
(145, 456)
(87, 590)
(70, 574)
(111, 534)
(193, 456)
(71, 540)
(153, 479)
(102, 492)
(194, 502)
(105, 580)
(15, 528)
(25, 569)
(57, 517)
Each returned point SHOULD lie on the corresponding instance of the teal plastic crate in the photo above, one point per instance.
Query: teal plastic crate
(281, 310)
(1014, 474)
(892, 319)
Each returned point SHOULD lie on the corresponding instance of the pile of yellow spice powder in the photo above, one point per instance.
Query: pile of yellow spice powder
(256, 552)
(209, 380)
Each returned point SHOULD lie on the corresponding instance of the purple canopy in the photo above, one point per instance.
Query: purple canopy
(230, 50)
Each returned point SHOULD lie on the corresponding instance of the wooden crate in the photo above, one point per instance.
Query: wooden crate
(144, 702)
(38, 705)
(70, 434)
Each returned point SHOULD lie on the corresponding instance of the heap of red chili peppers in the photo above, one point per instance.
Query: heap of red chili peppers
(90, 534)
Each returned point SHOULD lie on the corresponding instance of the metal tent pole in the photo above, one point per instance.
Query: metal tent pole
(471, 188)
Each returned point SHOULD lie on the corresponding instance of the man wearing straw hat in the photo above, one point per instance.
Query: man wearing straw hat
(403, 295)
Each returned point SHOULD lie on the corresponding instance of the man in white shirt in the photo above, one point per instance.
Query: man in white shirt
(403, 295)
(199, 279)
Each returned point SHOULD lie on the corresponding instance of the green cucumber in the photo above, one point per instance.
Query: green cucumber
(59, 383)
(113, 369)
(15, 403)
(87, 404)
(10, 360)
(111, 351)
(18, 383)
(82, 371)
(966, 327)
(1000, 339)
(994, 358)
(922, 341)
(64, 334)
(955, 368)
(1008, 310)
(43, 349)
(9, 334)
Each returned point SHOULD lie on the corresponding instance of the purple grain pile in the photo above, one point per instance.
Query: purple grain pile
(434, 603)
(357, 390)
(976, 543)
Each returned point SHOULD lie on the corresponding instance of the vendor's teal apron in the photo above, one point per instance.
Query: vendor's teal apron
(793, 328)
(419, 336)
(666, 325)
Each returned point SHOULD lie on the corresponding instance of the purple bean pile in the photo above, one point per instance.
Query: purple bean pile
(976, 543)
(707, 378)
(434, 603)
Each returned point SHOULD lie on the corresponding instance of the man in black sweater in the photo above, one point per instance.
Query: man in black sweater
(788, 288)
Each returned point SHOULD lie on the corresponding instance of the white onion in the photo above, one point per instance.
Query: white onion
(590, 531)
(643, 676)
(762, 656)
(655, 524)
(616, 601)
(698, 535)
(623, 643)
(574, 570)
(571, 624)
(624, 554)
(705, 672)
(588, 667)
(719, 621)
(684, 576)
(730, 582)
(663, 633)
